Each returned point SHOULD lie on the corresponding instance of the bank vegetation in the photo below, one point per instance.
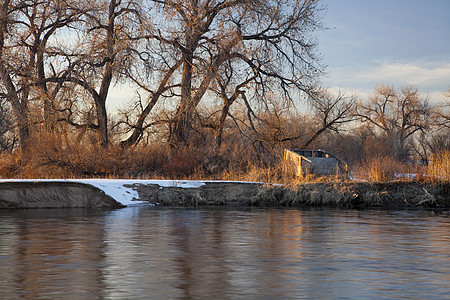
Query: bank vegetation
(209, 90)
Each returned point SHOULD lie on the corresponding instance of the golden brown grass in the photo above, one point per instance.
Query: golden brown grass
(52, 156)
(386, 169)
(251, 172)
(439, 168)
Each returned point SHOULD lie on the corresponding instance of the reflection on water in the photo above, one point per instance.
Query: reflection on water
(145, 252)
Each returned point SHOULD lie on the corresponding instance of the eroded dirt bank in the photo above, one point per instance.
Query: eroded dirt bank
(342, 194)
(211, 193)
(56, 194)
(53, 195)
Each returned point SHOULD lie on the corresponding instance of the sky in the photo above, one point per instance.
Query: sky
(395, 42)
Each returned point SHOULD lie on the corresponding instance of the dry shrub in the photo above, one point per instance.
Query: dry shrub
(52, 156)
(43, 159)
(144, 162)
(9, 165)
(115, 162)
(183, 163)
(439, 169)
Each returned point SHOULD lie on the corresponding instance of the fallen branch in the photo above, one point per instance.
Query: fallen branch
(430, 199)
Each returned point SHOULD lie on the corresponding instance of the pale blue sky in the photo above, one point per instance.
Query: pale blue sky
(399, 42)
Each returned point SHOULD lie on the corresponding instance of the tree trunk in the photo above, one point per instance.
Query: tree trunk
(183, 117)
(139, 127)
(19, 107)
(48, 116)
(24, 134)
(103, 125)
(219, 131)
(102, 115)
(188, 103)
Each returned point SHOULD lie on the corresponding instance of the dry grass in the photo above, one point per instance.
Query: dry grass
(52, 159)
(439, 169)
(10, 165)
(250, 172)
(385, 169)
(52, 156)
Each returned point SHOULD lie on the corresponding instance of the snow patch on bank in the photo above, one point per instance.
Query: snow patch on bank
(398, 176)
(121, 190)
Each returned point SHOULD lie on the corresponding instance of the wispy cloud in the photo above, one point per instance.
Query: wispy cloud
(433, 96)
(421, 75)
(431, 78)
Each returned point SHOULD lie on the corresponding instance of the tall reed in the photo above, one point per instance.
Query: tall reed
(439, 168)
(380, 169)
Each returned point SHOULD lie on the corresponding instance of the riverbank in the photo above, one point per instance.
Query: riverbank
(395, 195)
(116, 193)
(339, 194)
(53, 194)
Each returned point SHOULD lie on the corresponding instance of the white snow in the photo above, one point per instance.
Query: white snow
(126, 195)
(407, 176)
(352, 177)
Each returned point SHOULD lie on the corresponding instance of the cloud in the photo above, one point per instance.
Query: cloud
(437, 96)
(421, 75)
(431, 78)
(348, 92)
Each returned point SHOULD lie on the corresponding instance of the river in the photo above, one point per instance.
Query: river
(215, 253)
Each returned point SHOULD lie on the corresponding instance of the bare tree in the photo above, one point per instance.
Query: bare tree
(397, 114)
(332, 111)
(437, 138)
(442, 112)
(19, 104)
(268, 41)
(8, 137)
(101, 56)
(139, 124)
(229, 88)
(27, 30)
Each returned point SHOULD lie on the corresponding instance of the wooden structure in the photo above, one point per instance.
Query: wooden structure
(302, 162)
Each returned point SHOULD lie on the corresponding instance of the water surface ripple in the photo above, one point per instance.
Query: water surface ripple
(163, 253)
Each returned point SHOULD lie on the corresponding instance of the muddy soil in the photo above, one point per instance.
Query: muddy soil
(53, 195)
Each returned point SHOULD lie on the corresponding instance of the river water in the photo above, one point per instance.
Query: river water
(162, 253)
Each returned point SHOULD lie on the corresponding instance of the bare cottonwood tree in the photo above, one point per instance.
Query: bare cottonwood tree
(329, 113)
(8, 136)
(332, 111)
(442, 113)
(19, 103)
(268, 41)
(27, 40)
(101, 55)
(437, 138)
(398, 114)
(229, 86)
